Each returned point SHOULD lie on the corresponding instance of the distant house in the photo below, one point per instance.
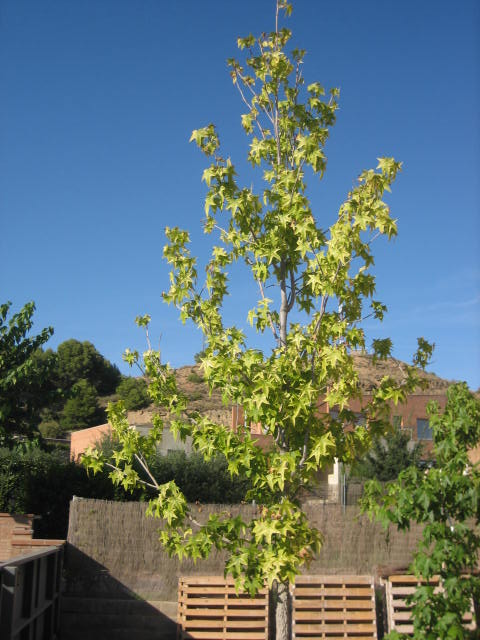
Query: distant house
(81, 440)
(410, 416)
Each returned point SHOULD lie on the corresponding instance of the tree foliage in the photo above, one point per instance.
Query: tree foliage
(82, 410)
(446, 501)
(22, 372)
(314, 287)
(388, 456)
(134, 393)
(81, 361)
(200, 481)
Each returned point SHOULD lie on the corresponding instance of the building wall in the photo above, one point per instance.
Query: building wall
(407, 414)
(168, 442)
(81, 440)
(415, 408)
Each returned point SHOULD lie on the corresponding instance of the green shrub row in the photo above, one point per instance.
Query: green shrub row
(43, 482)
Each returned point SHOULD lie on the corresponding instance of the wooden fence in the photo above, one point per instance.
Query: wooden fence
(322, 607)
(29, 596)
(209, 608)
(333, 607)
(399, 613)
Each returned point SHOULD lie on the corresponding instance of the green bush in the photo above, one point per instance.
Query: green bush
(195, 377)
(50, 429)
(133, 392)
(388, 457)
(199, 480)
(43, 483)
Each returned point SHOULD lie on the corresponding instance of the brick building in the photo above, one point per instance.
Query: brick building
(410, 416)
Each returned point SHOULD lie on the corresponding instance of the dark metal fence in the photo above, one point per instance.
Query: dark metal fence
(344, 493)
(30, 595)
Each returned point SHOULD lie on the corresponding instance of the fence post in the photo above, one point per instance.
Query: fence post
(7, 600)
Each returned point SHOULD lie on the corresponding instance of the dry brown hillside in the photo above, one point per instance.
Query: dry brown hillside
(190, 381)
(371, 375)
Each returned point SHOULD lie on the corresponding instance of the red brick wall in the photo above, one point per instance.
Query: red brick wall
(414, 407)
(16, 533)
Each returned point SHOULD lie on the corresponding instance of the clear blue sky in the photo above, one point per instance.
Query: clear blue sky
(97, 103)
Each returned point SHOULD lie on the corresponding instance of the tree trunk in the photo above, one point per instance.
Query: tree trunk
(282, 612)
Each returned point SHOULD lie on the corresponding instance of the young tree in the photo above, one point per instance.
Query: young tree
(22, 372)
(319, 288)
(445, 499)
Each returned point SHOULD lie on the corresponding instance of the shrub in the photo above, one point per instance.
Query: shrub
(388, 457)
(199, 480)
(50, 429)
(36, 481)
(195, 377)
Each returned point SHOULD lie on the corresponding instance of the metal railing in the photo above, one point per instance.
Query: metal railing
(30, 595)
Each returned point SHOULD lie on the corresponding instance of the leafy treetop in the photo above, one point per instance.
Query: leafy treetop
(314, 288)
(81, 361)
(22, 374)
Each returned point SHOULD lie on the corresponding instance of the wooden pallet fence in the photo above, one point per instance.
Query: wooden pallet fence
(209, 608)
(325, 607)
(397, 589)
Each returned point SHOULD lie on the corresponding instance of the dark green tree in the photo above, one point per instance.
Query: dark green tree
(82, 409)
(23, 372)
(134, 393)
(81, 361)
(446, 501)
(388, 457)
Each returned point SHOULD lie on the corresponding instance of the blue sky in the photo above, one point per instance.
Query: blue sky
(97, 103)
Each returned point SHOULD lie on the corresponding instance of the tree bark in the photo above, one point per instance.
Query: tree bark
(282, 612)
(283, 312)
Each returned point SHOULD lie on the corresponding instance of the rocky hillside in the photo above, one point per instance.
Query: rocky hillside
(190, 381)
(371, 375)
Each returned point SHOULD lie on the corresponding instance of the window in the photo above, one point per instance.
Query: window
(424, 431)
(360, 420)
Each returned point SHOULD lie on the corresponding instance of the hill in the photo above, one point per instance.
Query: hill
(190, 381)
